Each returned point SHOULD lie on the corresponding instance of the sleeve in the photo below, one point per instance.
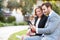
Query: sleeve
(53, 24)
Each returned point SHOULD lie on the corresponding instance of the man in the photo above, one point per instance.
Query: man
(52, 27)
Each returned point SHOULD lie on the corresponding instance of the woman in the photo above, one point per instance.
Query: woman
(40, 21)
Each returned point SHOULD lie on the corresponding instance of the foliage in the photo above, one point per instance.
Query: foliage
(22, 23)
(13, 4)
(1, 24)
(28, 6)
(56, 8)
(14, 23)
(10, 19)
(1, 6)
(49, 0)
(2, 18)
(1, 3)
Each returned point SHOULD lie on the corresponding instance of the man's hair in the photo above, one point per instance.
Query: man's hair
(47, 4)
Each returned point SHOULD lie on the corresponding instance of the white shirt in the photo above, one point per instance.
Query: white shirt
(37, 25)
(51, 12)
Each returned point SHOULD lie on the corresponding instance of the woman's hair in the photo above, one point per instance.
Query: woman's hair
(39, 7)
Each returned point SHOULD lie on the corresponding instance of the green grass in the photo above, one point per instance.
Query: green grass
(13, 36)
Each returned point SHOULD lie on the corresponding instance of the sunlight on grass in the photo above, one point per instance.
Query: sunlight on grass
(13, 36)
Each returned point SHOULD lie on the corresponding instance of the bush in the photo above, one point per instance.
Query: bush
(1, 24)
(2, 18)
(22, 23)
(14, 23)
(10, 19)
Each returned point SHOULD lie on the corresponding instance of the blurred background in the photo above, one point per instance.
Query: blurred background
(17, 12)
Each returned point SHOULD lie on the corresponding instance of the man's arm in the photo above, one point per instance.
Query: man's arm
(53, 24)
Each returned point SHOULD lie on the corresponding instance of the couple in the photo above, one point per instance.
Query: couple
(47, 25)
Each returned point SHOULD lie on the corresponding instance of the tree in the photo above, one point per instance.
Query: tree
(27, 5)
(13, 4)
(56, 8)
(1, 6)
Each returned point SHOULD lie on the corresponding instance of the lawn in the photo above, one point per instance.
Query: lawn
(13, 36)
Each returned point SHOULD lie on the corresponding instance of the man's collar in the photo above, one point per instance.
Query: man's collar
(50, 12)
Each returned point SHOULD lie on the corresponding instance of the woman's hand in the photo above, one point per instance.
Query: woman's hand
(33, 28)
(29, 32)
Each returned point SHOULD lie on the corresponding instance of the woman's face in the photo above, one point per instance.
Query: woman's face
(38, 12)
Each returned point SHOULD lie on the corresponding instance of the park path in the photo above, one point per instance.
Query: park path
(5, 32)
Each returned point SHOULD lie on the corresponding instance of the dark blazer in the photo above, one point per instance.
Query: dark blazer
(42, 22)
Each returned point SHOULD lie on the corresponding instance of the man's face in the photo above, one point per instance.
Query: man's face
(45, 10)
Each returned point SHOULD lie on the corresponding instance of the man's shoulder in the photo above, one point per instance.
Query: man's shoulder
(54, 14)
